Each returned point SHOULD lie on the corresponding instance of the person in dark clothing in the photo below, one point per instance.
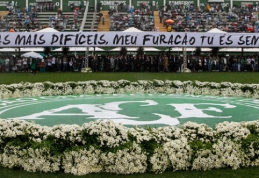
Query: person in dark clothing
(230, 64)
(33, 66)
(72, 6)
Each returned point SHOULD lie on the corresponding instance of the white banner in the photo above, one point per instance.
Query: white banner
(133, 39)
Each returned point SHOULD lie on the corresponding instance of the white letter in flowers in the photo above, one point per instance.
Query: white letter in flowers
(164, 119)
(97, 111)
(189, 110)
(106, 111)
(93, 110)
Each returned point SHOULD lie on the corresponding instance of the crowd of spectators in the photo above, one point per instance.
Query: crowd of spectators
(122, 17)
(25, 19)
(132, 63)
(18, 19)
(187, 17)
(61, 20)
(211, 15)
(172, 63)
(51, 63)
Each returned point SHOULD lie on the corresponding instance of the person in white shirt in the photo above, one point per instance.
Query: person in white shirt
(225, 63)
(112, 64)
(25, 65)
(7, 64)
(253, 63)
(71, 62)
(249, 68)
(205, 64)
(19, 64)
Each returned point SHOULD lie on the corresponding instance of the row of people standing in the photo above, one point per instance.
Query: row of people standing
(223, 63)
(48, 64)
(172, 63)
(134, 63)
(14, 64)
(65, 63)
(152, 63)
(131, 63)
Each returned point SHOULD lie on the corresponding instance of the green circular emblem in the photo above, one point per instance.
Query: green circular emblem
(131, 109)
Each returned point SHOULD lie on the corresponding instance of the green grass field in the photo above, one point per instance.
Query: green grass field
(242, 77)
(252, 172)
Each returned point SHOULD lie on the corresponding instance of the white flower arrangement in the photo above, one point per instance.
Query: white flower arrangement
(124, 86)
(86, 70)
(104, 146)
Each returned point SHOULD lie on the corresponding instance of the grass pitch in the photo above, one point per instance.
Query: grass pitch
(234, 77)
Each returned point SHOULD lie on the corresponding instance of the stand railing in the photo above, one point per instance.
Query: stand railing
(85, 16)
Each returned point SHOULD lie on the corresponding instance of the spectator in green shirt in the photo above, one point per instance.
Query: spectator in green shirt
(33, 66)
(2, 61)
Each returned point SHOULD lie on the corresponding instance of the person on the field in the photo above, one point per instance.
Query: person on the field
(33, 66)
